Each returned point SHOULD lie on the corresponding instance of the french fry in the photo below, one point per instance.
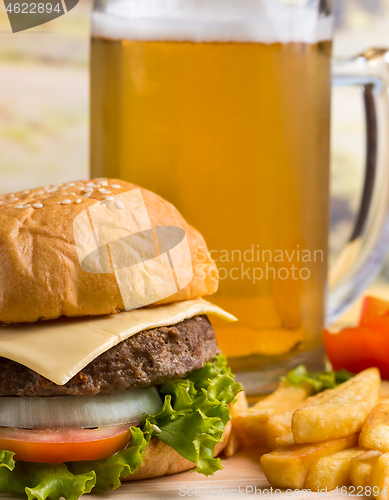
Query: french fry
(288, 467)
(240, 404)
(233, 443)
(361, 469)
(384, 389)
(380, 478)
(332, 471)
(261, 428)
(251, 427)
(277, 434)
(375, 432)
(285, 440)
(285, 397)
(264, 424)
(270, 418)
(342, 412)
(278, 428)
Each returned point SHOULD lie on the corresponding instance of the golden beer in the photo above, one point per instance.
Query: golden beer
(236, 135)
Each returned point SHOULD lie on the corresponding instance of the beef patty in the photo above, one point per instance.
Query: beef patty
(151, 357)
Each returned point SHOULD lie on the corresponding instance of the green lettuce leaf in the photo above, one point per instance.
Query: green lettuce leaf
(109, 470)
(44, 480)
(318, 380)
(192, 421)
(195, 412)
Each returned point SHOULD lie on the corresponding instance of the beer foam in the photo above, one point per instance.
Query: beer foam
(266, 21)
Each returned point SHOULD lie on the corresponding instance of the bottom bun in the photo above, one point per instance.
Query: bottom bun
(161, 460)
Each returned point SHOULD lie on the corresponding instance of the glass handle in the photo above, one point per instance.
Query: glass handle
(364, 254)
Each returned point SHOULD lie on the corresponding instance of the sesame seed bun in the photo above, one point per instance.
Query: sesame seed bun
(40, 272)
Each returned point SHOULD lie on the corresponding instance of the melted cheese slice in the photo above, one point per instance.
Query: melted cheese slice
(60, 349)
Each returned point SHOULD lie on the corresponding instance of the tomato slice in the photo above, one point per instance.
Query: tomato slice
(64, 445)
(375, 314)
(358, 348)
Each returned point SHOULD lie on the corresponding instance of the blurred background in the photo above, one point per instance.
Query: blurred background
(44, 105)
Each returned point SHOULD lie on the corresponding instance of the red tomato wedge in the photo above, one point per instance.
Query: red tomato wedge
(64, 445)
(358, 348)
(375, 314)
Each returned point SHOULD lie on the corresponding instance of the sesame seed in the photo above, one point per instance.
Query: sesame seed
(27, 206)
(119, 204)
(53, 190)
(156, 428)
(79, 200)
(88, 189)
(74, 194)
(103, 183)
(89, 184)
(104, 191)
(109, 198)
(37, 205)
(116, 186)
(19, 206)
(39, 192)
(26, 192)
(86, 195)
(12, 195)
(71, 184)
(65, 202)
(1, 202)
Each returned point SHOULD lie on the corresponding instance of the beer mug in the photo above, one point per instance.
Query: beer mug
(223, 108)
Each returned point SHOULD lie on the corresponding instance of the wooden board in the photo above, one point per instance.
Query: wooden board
(242, 470)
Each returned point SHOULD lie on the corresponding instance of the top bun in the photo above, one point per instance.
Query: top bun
(42, 273)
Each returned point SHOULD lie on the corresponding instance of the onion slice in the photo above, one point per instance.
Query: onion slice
(78, 411)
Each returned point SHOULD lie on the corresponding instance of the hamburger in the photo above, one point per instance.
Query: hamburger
(110, 370)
